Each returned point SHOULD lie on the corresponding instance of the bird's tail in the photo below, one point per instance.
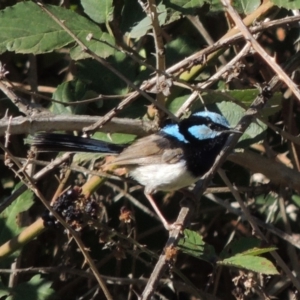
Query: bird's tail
(46, 142)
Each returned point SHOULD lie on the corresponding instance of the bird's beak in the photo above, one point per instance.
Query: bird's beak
(233, 130)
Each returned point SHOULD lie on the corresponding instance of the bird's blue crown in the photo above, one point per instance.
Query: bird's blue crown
(201, 126)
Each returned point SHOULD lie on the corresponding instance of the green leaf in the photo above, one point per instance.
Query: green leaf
(103, 81)
(69, 91)
(296, 200)
(251, 263)
(258, 251)
(99, 11)
(25, 28)
(193, 244)
(8, 218)
(290, 4)
(180, 48)
(245, 98)
(246, 6)
(130, 19)
(233, 113)
(37, 288)
(144, 25)
(9, 226)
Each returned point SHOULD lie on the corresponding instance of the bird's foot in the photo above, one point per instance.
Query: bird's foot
(173, 226)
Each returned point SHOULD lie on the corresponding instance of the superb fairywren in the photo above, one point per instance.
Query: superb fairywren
(173, 158)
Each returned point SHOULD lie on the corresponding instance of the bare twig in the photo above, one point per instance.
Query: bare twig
(50, 122)
(259, 49)
(163, 260)
(194, 19)
(161, 86)
(23, 106)
(212, 80)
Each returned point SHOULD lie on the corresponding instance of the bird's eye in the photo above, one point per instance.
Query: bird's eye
(208, 121)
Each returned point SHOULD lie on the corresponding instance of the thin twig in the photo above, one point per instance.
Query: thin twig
(212, 80)
(133, 200)
(24, 107)
(50, 122)
(163, 260)
(259, 49)
(151, 10)
(194, 19)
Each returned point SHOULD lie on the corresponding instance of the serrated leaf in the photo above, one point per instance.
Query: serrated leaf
(98, 10)
(145, 24)
(251, 263)
(258, 251)
(36, 288)
(25, 28)
(192, 244)
(290, 4)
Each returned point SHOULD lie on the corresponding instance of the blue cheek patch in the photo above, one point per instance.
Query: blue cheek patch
(202, 132)
(173, 130)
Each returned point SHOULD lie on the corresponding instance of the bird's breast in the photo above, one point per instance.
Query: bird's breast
(166, 177)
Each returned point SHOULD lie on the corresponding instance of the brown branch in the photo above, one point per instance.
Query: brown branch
(50, 122)
(23, 106)
(164, 260)
(151, 10)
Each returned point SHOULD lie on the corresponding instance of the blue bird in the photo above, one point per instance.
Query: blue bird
(173, 158)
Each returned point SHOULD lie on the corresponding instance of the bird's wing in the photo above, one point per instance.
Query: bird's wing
(153, 149)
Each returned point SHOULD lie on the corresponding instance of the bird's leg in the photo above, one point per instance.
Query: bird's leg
(167, 225)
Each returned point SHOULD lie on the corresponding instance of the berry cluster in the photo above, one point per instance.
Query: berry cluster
(72, 207)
